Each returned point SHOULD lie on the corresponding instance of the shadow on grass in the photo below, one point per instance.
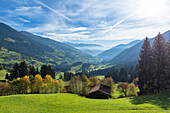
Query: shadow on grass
(161, 100)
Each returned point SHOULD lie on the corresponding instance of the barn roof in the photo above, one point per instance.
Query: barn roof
(101, 87)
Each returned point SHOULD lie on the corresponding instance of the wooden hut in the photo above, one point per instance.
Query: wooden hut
(100, 91)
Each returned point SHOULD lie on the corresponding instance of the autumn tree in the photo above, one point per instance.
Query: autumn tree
(61, 86)
(109, 82)
(123, 88)
(26, 84)
(76, 84)
(94, 81)
(132, 90)
(37, 83)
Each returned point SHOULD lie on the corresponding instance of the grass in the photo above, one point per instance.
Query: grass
(2, 74)
(72, 103)
(100, 77)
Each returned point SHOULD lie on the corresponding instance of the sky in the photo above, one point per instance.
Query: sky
(105, 22)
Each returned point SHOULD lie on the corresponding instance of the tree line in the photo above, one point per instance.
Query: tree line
(153, 68)
(122, 75)
(20, 70)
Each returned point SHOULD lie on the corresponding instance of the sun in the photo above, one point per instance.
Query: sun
(151, 7)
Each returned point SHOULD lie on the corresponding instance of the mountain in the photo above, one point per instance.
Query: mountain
(132, 54)
(111, 53)
(91, 49)
(16, 46)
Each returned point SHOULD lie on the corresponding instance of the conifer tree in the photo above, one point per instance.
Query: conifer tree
(23, 69)
(144, 67)
(15, 72)
(167, 77)
(159, 62)
(43, 71)
(32, 70)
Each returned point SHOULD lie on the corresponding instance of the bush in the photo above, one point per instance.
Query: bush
(5, 89)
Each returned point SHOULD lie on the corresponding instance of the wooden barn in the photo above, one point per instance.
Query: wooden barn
(100, 91)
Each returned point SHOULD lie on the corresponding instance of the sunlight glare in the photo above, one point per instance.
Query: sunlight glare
(150, 8)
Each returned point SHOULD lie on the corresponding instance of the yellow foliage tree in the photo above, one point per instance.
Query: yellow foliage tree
(26, 84)
(37, 83)
(61, 86)
(94, 81)
(48, 79)
(109, 82)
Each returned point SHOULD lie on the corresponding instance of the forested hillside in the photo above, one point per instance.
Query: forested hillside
(29, 47)
(132, 54)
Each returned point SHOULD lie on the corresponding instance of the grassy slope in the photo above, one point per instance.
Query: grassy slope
(71, 103)
(2, 74)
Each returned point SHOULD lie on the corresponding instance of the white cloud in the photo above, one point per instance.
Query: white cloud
(24, 20)
(24, 8)
(77, 29)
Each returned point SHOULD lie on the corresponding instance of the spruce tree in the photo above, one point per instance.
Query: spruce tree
(15, 72)
(144, 68)
(167, 78)
(32, 70)
(37, 71)
(159, 62)
(23, 69)
(43, 71)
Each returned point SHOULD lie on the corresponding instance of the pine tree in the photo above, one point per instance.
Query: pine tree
(43, 71)
(144, 67)
(23, 69)
(14, 72)
(32, 70)
(167, 78)
(159, 62)
(37, 71)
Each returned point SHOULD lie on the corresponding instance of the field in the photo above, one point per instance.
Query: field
(72, 103)
(2, 74)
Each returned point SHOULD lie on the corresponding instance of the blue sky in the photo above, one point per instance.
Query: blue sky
(88, 21)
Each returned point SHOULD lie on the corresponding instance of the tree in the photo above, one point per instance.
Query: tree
(14, 72)
(23, 69)
(61, 86)
(94, 81)
(145, 67)
(48, 79)
(43, 71)
(37, 71)
(123, 88)
(37, 83)
(32, 70)
(50, 71)
(159, 62)
(68, 75)
(167, 77)
(26, 84)
(76, 84)
(132, 90)
(123, 75)
(109, 82)
(6, 76)
(61, 77)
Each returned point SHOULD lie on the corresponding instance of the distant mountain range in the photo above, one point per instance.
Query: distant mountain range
(91, 49)
(35, 48)
(132, 54)
(111, 53)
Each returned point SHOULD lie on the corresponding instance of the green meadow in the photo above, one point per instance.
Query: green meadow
(72, 103)
(2, 74)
